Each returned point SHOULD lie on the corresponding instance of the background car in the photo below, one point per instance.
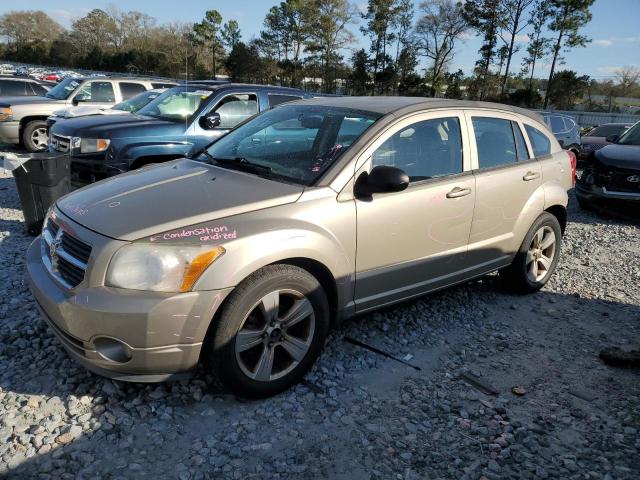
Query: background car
(600, 136)
(131, 105)
(612, 180)
(19, 87)
(565, 129)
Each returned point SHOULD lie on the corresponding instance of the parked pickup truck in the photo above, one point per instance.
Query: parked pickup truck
(23, 120)
(180, 122)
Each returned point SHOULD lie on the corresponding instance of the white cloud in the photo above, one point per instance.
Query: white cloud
(603, 42)
(607, 70)
(522, 38)
(468, 35)
(632, 39)
(66, 17)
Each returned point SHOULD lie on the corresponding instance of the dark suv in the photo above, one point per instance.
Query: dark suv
(180, 122)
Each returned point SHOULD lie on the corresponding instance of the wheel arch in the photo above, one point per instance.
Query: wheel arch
(560, 212)
(27, 119)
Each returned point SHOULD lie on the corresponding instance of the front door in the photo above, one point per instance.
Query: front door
(414, 241)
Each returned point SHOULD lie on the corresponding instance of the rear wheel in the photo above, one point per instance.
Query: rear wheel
(35, 137)
(269, 332)
(537, 258)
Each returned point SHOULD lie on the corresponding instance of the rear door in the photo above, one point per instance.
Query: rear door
(507, 187)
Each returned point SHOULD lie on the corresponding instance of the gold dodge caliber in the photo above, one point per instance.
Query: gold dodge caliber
(301, 217)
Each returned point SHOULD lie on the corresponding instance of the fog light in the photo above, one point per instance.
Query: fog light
(112, 349)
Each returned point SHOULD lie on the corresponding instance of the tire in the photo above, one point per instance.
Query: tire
(236, 358)
(35, 136)
(520, 276)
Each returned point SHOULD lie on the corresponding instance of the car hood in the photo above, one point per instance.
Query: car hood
(171, 195)
(83, 111)
(117, 126)
(620, 156)
(26, 100)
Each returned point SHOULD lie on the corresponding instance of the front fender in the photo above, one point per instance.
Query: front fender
(159, 148)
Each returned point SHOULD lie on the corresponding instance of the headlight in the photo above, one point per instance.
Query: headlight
(93, 145)
(5, 113)
(160, 268)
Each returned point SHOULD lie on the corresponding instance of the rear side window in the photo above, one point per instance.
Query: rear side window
(569, 124)
(13, 88)
(98, 92)
(539, 142)
(129, 90)
(276, 99)
(557, 124)
(423, 150)
(38, 89)
(523, 153)
(494, 141)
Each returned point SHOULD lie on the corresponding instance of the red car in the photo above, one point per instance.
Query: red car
(600, 136)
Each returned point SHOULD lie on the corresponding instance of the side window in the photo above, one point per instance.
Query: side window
(276, 99)
(13, 88)
(128, 90)
(97, 92)
(38, 89)
(427, 149)
(539, 142)
(523, 153)
(557, 124)
(569, 124)
(236, 108)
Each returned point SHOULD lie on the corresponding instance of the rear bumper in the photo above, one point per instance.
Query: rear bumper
(10, 132)
(124, 335)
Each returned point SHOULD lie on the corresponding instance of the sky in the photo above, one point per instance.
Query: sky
(614, 28)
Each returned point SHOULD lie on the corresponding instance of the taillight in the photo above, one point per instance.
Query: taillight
(574, 162)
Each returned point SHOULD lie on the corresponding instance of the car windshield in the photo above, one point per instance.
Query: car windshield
(64, 89)
(606, 130)
(178, 104)
(293, 143)
(136, 103)
(631, 136)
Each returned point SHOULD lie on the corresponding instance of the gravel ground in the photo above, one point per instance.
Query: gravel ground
(358, 415)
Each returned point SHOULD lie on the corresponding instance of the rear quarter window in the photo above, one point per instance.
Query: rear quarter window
(277, 99)
(539, 141)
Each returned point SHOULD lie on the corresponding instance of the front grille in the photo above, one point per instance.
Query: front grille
(60, 143)
(70, 255)
(619, 182)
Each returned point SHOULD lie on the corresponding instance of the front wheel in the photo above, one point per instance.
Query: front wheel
(35, 137)
(269, 332)
(537, 257)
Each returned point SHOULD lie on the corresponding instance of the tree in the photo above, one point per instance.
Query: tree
(360, 74)
(567, 17)
(405, 60)
(327, 22)
(231, 34)
(515, 10)
(487, 18)
(207, 32)
(243, 63)
(439, 27)
(24, 27)
(627, 78)
(380, 16)
(454, 81)
(538, 45)
(569, 89)
(96, 30)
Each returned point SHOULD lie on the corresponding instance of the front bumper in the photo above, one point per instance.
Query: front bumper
(157, 336)
(10, 132)
(600, 197)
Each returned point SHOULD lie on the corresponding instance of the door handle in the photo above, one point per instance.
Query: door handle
(458, 192)
(530, 176)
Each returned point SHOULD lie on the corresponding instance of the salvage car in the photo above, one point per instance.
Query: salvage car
(23, 120)
(182, 121)
(296, 220)
(565, 129)
(598, 137)
(612, 180)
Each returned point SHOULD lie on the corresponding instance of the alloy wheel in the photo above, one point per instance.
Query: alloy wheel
(541, 254)
(275, 336)
(39, 138)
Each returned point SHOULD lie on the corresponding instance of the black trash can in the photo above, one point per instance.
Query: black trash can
(41, 180)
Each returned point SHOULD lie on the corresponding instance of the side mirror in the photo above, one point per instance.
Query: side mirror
(78, 98)
(612, 138)
(210, 121)
(381, 179)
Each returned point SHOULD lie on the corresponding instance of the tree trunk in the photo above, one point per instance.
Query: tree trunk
(556, 51)
(510, 53)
